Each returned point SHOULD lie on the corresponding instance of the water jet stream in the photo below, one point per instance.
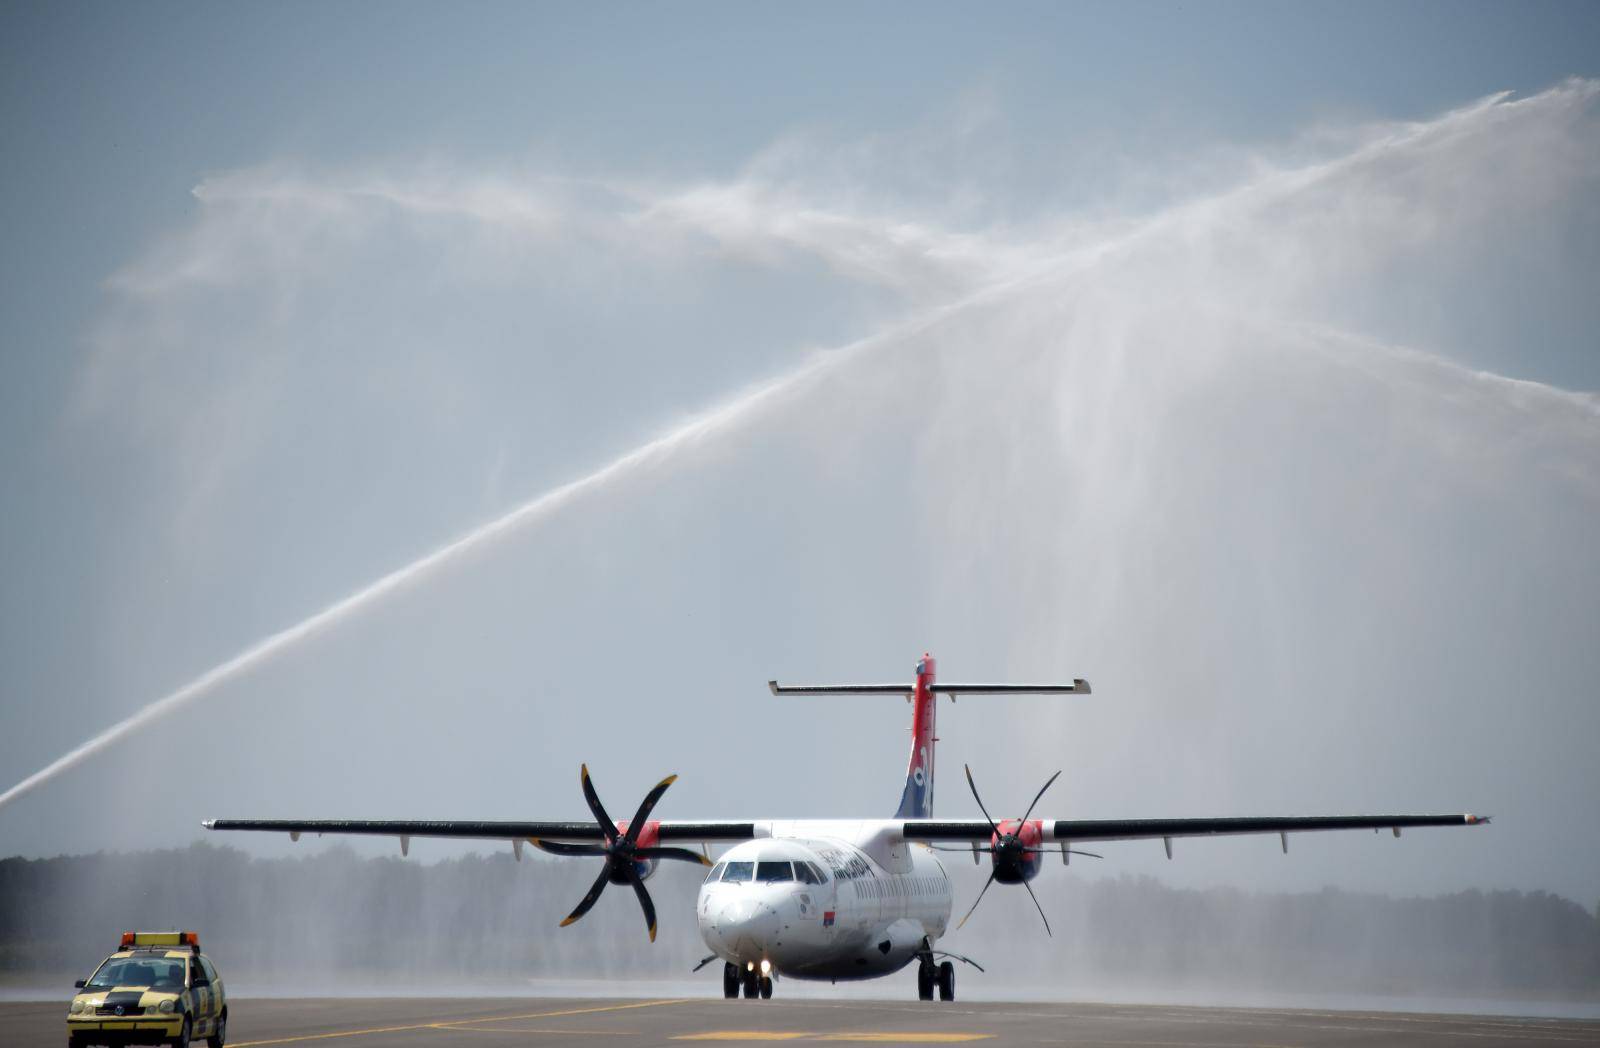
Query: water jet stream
(749, 405)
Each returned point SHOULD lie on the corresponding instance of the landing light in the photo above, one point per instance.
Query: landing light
(766, 966)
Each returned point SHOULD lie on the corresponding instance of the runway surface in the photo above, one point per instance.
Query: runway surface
(490, 1023)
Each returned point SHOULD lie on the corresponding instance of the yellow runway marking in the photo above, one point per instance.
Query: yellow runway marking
(463, 1027)
(741, 1035)
(873, 1037)
(893, 1037)
(452, 1024)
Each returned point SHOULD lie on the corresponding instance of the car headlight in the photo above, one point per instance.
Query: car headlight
(77, 1006)
(167, 1005)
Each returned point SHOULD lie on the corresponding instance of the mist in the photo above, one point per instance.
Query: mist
(1241, 438)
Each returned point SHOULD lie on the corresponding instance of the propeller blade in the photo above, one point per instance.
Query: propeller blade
(681, 854)
(1036, 906)
(1036, 797)
(985, 888)
(558, 848)
(644, 808)
(986, 815)
(607, 827)
(649, 907)
(588, 900)
(704, 962)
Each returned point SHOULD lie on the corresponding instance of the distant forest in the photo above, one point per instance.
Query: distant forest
(333, 919)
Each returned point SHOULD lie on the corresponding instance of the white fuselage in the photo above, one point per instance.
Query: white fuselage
(835, 900)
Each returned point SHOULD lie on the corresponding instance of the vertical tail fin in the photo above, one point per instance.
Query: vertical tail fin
(916, 798)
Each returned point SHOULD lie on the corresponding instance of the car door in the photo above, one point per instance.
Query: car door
(200, 992)
(218, 996)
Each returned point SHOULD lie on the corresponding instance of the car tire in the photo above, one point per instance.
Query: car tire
(182, 1040)
(219, 1036)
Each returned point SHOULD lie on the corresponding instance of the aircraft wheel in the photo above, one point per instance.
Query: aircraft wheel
(924, 982)
(752, 986)
(730, 981)
(947, 981)
(766, 987)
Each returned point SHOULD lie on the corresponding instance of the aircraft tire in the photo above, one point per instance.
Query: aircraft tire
(766, 987)
(924, 982)
(730, 981)
(752, 986)
(947, 981)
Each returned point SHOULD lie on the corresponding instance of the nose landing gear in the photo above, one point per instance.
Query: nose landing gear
(751, 982)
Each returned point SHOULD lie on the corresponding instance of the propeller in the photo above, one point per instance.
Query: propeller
(620, 850)
(1009, 849)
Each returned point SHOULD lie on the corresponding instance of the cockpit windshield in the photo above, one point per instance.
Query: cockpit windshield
(738, 871)
(774, 872)
(808, 873)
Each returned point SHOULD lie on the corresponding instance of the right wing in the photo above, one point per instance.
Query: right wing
(576, 832)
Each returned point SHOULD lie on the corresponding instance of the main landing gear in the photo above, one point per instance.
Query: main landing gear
(929, 975)
(753, 983)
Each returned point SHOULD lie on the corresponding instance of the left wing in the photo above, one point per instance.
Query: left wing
(1068, 830)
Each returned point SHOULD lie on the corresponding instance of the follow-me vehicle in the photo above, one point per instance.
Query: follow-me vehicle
(157, 987)
(836, 898)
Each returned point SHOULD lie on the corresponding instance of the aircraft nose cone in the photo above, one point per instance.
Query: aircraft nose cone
(747, 927)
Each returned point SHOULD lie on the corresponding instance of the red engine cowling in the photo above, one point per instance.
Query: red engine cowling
(649, 837)
(1017, 850)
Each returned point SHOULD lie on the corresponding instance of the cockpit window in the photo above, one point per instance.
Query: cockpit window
(806, 873)
(774, 872)
(716, 873)
(738, 871)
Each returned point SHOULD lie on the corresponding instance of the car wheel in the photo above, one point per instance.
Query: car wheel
(220, 1034)
(183, 1035)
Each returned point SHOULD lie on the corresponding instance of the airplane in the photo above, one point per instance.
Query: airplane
(832, 899)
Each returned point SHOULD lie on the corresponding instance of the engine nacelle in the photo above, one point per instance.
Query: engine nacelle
(1017, 851)
(649, 837)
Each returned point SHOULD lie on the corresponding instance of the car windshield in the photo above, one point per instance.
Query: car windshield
(737, 871)
(139, 970)
(774, 872)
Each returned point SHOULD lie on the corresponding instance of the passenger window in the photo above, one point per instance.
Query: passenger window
(774, 872)
(738, 871)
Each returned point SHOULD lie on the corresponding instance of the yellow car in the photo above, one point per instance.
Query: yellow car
(158, 987)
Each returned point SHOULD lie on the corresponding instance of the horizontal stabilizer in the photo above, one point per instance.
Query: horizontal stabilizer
(1079, 686)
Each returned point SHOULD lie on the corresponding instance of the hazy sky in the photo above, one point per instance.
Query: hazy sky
(1238, 358)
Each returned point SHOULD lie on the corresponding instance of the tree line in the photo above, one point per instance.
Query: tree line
(333, 920)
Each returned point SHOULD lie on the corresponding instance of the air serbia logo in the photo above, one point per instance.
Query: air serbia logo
(827, 918)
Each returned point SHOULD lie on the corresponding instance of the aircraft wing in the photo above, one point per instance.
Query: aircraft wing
(1070, 830)
(671, 830)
